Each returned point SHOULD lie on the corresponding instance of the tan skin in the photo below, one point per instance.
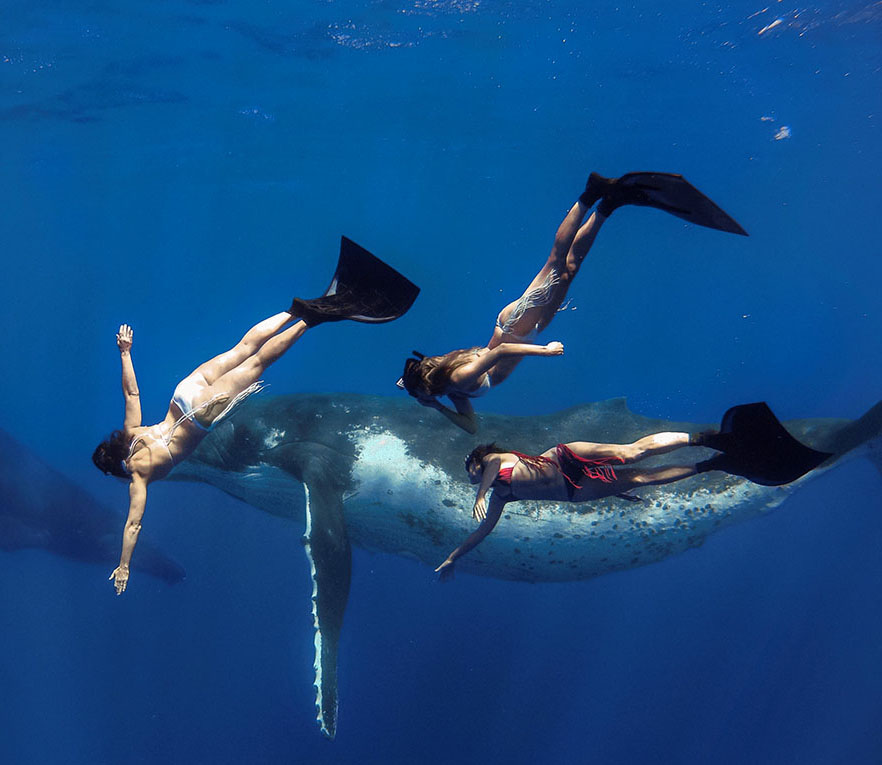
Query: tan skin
(545, 482)
(505, 350)
(222, 378)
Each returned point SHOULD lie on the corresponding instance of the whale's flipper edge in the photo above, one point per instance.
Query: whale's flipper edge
(330, 563)
(324, 474)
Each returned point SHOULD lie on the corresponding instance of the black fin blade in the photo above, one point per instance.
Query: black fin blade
(364, 289)
(674, 194)
(758, 447)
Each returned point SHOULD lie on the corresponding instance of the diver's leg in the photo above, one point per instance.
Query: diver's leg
(252, 368)
(583, 243)
(630, 478)
(553, 270)
(252, 341)
(566, 234)
(580, 247)
(648, 446)
(654, 476)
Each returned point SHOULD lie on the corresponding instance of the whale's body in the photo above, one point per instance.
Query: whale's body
(41, 508)
(386, 475)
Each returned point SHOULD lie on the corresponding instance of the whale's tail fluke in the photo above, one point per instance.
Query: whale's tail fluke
(364, 288)
(866, 430)
(876, 458)
(756, 446)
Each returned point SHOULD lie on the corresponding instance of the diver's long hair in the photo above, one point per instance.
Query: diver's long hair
(111, 455)
(430, 375)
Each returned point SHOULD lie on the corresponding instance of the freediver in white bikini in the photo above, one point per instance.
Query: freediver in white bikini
(465, 374)
(363, 289)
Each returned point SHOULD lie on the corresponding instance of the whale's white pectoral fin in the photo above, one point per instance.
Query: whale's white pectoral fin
(324, 474)
(330, 565)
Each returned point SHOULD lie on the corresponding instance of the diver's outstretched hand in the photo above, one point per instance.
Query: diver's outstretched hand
(479, 511)
(124, 338)
(554, 348)
(120, 578)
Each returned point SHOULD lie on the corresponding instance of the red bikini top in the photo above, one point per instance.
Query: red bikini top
(504, 475)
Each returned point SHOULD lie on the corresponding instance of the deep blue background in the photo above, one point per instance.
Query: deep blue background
(187, 167)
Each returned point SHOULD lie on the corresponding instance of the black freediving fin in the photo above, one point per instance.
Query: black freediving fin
(664, 191)
(364, 288)
(756, 446)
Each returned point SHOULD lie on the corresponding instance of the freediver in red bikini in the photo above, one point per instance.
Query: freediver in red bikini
(751, 441)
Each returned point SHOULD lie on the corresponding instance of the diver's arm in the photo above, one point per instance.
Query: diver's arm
(463, 417)
(494, 512)
(469, 374)
(137, 502)
(489, 472)
(129, 382)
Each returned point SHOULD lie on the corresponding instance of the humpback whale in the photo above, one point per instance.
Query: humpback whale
(40, 507)
(373, 472)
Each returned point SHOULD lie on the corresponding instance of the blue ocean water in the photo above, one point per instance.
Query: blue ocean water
(188, 166)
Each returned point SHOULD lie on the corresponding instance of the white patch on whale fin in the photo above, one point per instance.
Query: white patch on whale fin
(317, 664)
